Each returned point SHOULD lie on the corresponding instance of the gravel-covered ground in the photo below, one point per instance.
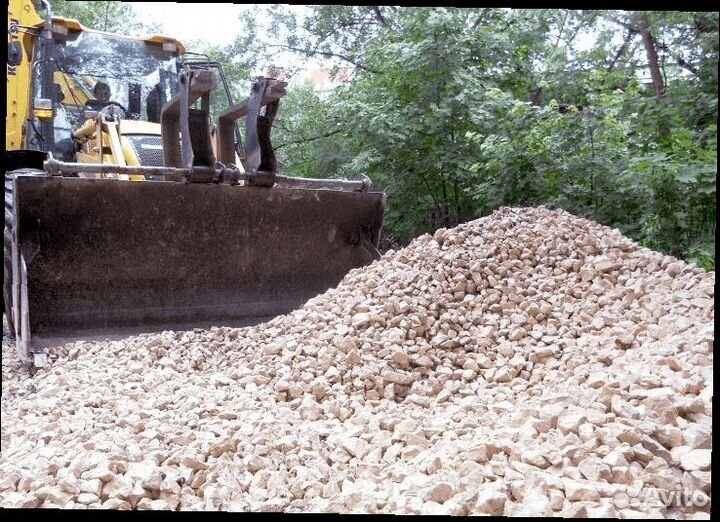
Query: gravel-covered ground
(527, 363)
(13, 372)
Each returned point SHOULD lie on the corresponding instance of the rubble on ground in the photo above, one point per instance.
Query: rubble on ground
(529, 363)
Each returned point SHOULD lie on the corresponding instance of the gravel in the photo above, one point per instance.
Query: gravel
(528, 363)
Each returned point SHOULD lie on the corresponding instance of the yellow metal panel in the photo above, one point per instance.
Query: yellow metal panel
(114, 141)
(156, 39)
(129, 156)
(20, 13)
(139, 127)
(43, 114)
(128, 152)
(74, 92)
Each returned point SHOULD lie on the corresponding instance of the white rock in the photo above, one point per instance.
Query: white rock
(116, 503)
(697, 459)
(355, 446)
(103, 474)
(93, 486)
(517, 333)
(193, 462)
(490, 500)
(594, 469)
(697, 437)
(20, 500)
(579, 490)
(119, 487)
(440, 492)
(526, 363)
(536, 458)
(624, 409)
(147, 473)
(87, 498)
(570, 422)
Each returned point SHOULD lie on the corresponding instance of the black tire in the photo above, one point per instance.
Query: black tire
(8, 315)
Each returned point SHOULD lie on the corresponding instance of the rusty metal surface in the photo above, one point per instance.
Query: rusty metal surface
(175, 119)
(115, 254)
(216, 174)
(260, 160)
(265, 91)
(212, 174)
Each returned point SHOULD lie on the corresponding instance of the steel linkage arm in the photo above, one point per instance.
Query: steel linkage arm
(54, 167)
(186, 131)
(260, 163)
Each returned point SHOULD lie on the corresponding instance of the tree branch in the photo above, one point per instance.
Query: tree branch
(685, 65)
(570, 39)
(307, 52)
(560, 32)
(379, 15)
(333, 31)
(623, 48)
(626, 25)
(314, 138)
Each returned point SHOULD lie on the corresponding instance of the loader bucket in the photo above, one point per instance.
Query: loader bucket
(105, 254)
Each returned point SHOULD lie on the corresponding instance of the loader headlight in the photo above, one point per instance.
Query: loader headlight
(43, 109)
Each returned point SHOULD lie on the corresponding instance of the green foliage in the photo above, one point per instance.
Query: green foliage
(117, 17)
(454, 112)
(305, 137)
(703, 255)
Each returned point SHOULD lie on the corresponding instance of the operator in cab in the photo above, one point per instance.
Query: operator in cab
(106, 108)
(102, 96)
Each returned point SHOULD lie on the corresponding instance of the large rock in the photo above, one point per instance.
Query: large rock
(490, 500)
(696, 460)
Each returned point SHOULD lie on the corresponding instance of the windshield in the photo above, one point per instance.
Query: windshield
(128, 71)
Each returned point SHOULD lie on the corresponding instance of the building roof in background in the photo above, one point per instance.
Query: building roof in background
(322, 78)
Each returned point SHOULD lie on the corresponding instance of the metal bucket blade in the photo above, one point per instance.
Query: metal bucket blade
(114, 254)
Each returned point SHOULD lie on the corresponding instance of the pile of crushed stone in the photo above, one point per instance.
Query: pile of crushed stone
(527, 363)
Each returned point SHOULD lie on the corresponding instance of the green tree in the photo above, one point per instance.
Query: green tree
(454, 112)
(119, 17)
(306, 136)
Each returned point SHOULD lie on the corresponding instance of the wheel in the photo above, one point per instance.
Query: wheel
(8, 310)
(8, 253)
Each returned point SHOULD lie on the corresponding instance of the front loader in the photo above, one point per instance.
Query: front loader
(144, 212)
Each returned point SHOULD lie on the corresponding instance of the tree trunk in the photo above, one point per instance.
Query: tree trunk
(651, 50)
(446, 205)
(458, 213)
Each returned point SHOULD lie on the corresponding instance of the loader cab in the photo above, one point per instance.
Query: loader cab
(141, 74)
